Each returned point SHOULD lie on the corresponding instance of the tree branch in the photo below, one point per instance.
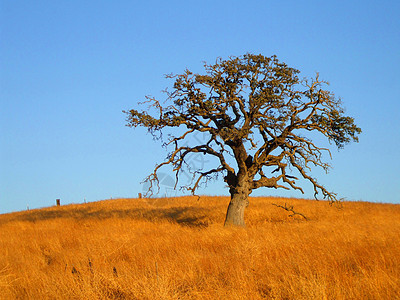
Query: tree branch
(291, 210)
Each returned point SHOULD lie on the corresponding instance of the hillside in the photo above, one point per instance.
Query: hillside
(178, 249)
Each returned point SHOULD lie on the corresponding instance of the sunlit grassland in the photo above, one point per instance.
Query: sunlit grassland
(177, 248)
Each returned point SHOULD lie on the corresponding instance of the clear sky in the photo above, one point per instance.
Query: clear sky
(68, 69)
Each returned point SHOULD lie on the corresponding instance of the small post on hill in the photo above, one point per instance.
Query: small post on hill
(140, 195)
(58, 202)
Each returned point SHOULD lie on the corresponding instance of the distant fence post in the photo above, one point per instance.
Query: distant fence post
(140, 195)
(58, 202)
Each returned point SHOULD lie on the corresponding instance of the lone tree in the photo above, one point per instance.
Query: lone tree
(256, 114)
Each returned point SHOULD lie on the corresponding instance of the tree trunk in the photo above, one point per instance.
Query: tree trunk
(235, 212)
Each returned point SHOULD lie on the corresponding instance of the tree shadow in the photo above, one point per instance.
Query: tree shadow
(184, 216)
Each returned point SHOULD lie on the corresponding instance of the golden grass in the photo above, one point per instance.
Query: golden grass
(178, 249)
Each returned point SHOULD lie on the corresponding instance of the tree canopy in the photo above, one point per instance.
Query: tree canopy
(258, 116)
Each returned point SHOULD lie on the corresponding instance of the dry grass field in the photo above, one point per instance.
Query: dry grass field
(178, 249)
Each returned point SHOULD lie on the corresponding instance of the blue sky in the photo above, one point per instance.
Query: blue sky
(68, 69)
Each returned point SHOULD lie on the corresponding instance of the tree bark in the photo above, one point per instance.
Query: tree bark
(235, 212)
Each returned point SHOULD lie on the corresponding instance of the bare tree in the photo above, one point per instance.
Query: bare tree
(256, 113)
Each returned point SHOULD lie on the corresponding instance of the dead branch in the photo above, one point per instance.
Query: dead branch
(290, 209)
